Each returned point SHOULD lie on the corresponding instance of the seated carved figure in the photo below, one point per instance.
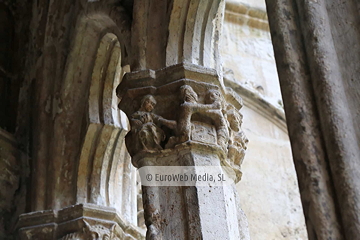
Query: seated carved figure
(212, 109)
(238, 140)
(145, 132)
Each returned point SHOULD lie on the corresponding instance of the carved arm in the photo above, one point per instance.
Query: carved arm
(168, 123)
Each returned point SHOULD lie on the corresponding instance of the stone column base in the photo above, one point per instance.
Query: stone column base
(82, 221)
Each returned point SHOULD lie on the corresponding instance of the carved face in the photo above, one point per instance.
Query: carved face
(188, 94)
(212, 96)
(235, 120)
(148, 103)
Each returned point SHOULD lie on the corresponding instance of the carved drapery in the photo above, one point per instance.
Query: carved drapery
(317, 48)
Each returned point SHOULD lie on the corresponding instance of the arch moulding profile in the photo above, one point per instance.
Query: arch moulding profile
(88, 170)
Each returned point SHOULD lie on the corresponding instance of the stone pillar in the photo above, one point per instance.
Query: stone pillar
(182, 116)
(317, 52)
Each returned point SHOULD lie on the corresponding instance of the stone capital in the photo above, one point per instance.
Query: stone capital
(81, 222)
(182, 105)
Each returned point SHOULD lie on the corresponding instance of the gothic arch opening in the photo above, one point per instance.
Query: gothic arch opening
(106, 176)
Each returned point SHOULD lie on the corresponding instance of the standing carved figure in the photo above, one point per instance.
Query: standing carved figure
(187, 108)
(145, 127)
(212, 108)
(217, 103)
(238, 141)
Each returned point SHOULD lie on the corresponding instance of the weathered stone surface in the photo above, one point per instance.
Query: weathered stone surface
(186, 209)
(185, 121)
(76, 54)
(269, 189)
(68, 56)
(184, 114)
(13, 176)
(80, 222)
(166, 33)
(247, 50)
(64, 86)
(68, 119)
(317, 52)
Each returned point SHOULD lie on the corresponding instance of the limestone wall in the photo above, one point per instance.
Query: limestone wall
(269, 189)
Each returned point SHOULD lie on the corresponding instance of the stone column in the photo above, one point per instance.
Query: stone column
(317, 53)
(182, 116)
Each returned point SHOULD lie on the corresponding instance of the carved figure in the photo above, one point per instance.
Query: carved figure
(214, 98)
(187, 108)
(238, 141)
(212, 108)
(145, 127)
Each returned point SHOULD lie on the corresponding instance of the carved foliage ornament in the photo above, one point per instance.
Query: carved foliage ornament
(89, 232)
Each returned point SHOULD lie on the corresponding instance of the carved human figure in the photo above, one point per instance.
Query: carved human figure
(212, 109)
(238, 141)
(145, 132)
(187, 108)
(217, 103)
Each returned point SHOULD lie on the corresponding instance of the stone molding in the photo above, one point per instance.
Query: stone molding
(261, 105)
(189, 32)
(243, 14)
